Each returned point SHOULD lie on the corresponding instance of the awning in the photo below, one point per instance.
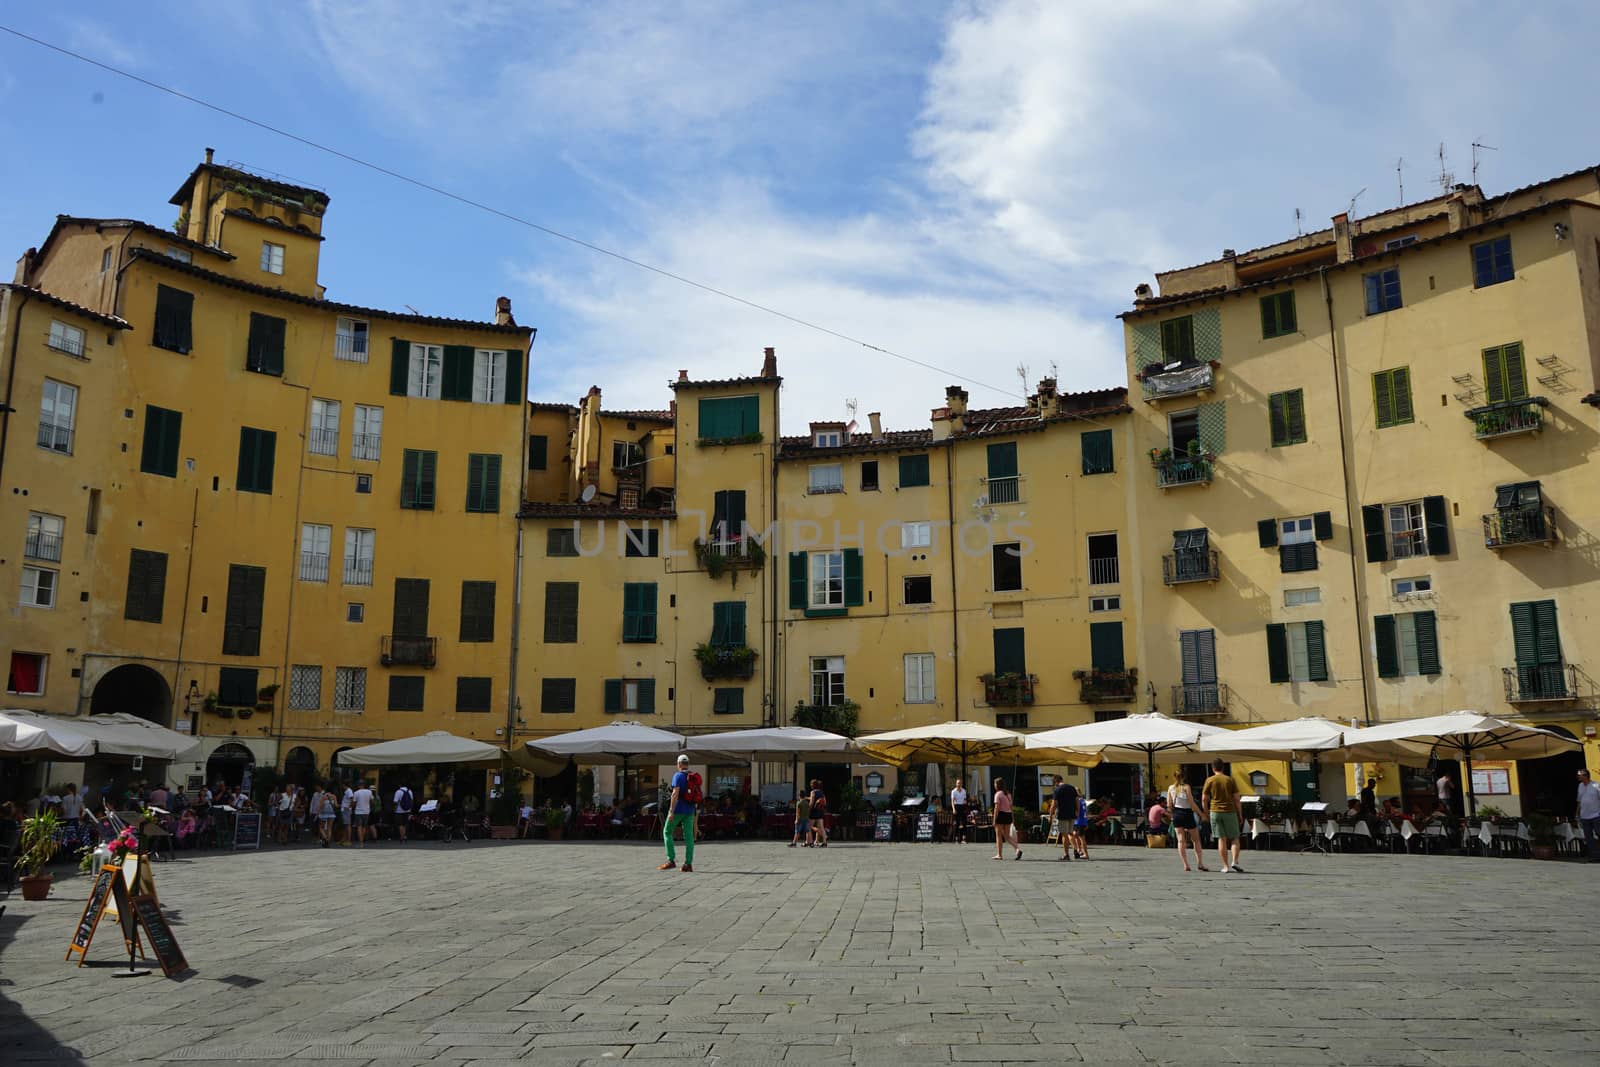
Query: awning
(613, 743)
(20, 735)
(435, 746)
(120, 734)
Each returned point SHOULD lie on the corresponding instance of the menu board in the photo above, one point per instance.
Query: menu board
(1492, 780)
(247, 830)
(883, 828)
(148, 912)
(99, 894)
(925, 826)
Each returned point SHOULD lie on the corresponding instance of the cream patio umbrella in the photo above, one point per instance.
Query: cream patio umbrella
(435, 746)
(614, 744)
(23, 732)
(965, 741)
(1125, 740)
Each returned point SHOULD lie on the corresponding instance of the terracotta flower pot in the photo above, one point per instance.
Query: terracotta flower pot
(1543, 852)
(36, 886)
(553, 833)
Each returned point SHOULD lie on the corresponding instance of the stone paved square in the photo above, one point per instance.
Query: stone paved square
(525, 952)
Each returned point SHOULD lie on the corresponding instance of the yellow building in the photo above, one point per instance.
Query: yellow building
(1368, 496)
(260, 495)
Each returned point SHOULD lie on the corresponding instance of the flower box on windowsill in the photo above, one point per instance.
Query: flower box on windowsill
(726, 661)
(1102, 687)
(1008, 690)
(715, 442)
(719, 557)
(835, 718)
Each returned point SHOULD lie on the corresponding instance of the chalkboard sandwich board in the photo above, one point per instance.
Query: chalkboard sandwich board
(883, 828)
(925, 826)
(99, 894)
(148, 912)
(247, 830)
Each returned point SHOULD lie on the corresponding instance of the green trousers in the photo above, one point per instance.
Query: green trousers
(687, 822)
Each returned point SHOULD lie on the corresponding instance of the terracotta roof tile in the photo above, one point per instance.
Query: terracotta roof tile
(537, 510)
(639, 416)
(719, 383)
(67, 305)
(546, 405)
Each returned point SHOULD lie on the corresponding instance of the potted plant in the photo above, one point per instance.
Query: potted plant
(555, 821)
(37, 847)
(265, 697)
(1542, 828)
(211, 702)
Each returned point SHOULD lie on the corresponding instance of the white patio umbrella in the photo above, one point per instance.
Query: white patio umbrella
(766, 743)
(1309, 737)
(435, 746)
(121, 734)
(1463, 735)
(614, 744)
(967, 742)
(32, 732)
(1125, 740)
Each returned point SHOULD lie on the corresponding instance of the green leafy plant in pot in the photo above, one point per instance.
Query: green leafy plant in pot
(1542, 829)
(555, 821)
(37, 847)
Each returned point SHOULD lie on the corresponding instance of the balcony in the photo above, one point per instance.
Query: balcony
(55, 438)
(351, 348)
(1508, 418)
(409, 651)
(357, 571)
(323, 442)
(1172, 471)
(726, 661)
(1182, 380)
(1180, 568)
(71, 344)
(1104, 571)
(365, 445)
(1008, 690)
(1200, 700)
(313, 567)
(721, 555)
(1520, 526)
(1540, 682)
(1107, 687)
(42, 545)
(1003, 490)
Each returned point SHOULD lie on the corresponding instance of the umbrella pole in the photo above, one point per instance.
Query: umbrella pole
(1150, 774)
(1472, 801)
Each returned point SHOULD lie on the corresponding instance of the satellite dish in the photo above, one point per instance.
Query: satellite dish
(587, 494)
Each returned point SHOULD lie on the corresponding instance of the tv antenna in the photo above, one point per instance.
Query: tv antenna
(1476, 147)
(850, 405)
(1299, 230)
(1022, 372)
(1400, 177)
(1353, 200)
(1446, 179)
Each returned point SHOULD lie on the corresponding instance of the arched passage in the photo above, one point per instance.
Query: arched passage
(228, 764)
(1550, 784)
(339, 773)
(300, 766)
(135, 689)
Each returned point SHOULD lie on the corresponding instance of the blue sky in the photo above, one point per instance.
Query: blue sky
(978, 185)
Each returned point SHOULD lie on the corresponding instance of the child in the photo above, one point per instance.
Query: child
(802, 821)
(524, 819)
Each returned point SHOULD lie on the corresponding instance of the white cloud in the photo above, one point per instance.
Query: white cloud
(98, 42)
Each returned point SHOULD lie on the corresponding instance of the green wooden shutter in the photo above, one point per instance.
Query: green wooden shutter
(1003, 460)
(399, 367)
(853, 592)
(515, 393)
(1516, 372)
(408, 478)
(1523, 634)
(1384, 632)
(1278, 418)
(1269, 318)
(1277, 652)
(797, 580)
(630, 611)
(1105, 646)
(162, 433)
(174, 320)
(647, 612)
(257, 454)
(639, 612)
(1383, 399)
(1427, 630)
(171, 435)
(719, 624)
(1316, 652)
(538, 452)
(1494, 375)
(647, 696)
(1372, 527)
(734, 511)
(474, 482)
(560, 612)
(735, 622)
(477, 611)
(1267, 532)
(1097, 452)
(264, 349)
(411, 596)
(1436, 523)
(491, 483)
(913, 471)
(1401, 377)
(1010, 651)
(147, 586)
(613, 695)
(427, 480)
(456, 381)
(1322, 524)
(1547, 637)
(1295, 415)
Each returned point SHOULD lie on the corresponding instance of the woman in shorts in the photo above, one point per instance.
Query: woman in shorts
(1180, 802)
(819, 814)
(1004, 831)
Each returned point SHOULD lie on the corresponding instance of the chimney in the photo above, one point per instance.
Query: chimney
(941, 423)
(1142, 292)
(208, 155)
(875, 420)
(1049, 403)
(672, 408)
(769, 363)
(25, 266)
(955, 399)
(683, 374)
(502, 311)
(1341, 237)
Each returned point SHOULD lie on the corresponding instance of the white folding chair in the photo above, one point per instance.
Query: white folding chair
(1407, 831)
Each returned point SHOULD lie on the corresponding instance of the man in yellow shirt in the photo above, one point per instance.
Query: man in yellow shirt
(1220, 797)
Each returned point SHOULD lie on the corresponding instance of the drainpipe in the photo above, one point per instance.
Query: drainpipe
(294, 562)
(774, 673)
(955, 607)
(516, 566)
(1350, 507)
(6, 409)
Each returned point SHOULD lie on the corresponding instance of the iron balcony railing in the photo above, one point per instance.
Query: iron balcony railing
(313, 567)
(1520, 526)
(365, 445)
(324, 442)
(1200, 699)
(1180, 381)
(350, 348)
(1180, 567)
(55, 438)
(72, 346)
(357, 571)
(1540, 681)
(1008, 690)
(1003, 490)
(1191, 469)
(1507, 418)
(1103, 571)
(42, 545)
(409, 651)
(1107, 687)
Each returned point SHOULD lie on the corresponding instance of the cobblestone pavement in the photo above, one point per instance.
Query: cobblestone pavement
(568, 953)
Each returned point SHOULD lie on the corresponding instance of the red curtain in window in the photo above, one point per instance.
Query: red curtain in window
(24, 677)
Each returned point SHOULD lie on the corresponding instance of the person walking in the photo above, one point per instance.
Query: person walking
(327, 808)
(402, 811)
(1589, 813)
(1063, 812)
(683, 806)
(1004, 830)
(819, 814)
(1369, 801)
(1220, 795)
(1445, 787)
(1180, 802)
(360, 812)
(71, 805)
(285, 813)
(958, 812)
(802, 821)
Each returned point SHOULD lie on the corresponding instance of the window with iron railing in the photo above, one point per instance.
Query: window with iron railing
(350, 341)
(44, 537)
(313, 567)
(324, 442)
(1103, 569)
(68, 339)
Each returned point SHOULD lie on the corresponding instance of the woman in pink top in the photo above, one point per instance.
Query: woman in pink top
(1004, 831)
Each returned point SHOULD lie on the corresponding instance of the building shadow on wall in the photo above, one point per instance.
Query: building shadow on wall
(21, 1039)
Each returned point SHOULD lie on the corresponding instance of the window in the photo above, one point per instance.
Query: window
(1097, 455)
(1504, 374)
(38, 587)
(826, 478)
(26, 677)
(350, 340)
(366, 436)
(349, 689)
(1001, 484)
(363, 483)
(727, 624)
(1383, 290)
(727, 701)
(637, 695)
(727, 517)
(1399, 242)
(869, 475)
(418, 478)
(1538, 649)
(1010, 651)
(913, 470)
(316, 541)
(411, 600)
(58, 410)
(1012, 720)
(236, 687)
(538, 451)
(918, 588)
(1007, 560)
(264, 350)
(558, 696)
(729, 418)
(358, 554)
(305, 687)
(180, 254)
(1299, 598)
(1105, 603)
(1277, 315)
(43, 540)
(639, 612)
(919, 678)
(477, 612)
(827, 681)
(174, 317)
(1297, 544)
(827, 439)
(1491, 262)
(561, 542)
(1286, 418)
(626, 454)
(355, 612)
(1197, 652)
(1183, 430)
(271, 258)
(489, 376)
(483, 483)
(474, 694)
(257, 451)
(147, 586)
(916, 534)
(640, 544)
(1105, 646)
(1296, 652)
(1103, 568)
(560, 613)
(324, 428)
(1177, 340)
(241, 630)
(827, 580)
(64, 338)
(1404, 587)
(1407, 644)
(426, 371)
(105, 260)
(162, 431)
(406, 692)
(1414, 528)
(1407, 532)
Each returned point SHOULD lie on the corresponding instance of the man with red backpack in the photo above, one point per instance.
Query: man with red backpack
(686, 796)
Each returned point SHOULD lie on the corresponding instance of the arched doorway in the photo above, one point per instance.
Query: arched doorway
(1550, 784)
(228, 764)
(340, 773)
(135, 689)
(300, 766)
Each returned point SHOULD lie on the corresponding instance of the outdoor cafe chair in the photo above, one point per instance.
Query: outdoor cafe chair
(1506, 839)
(1483, 834)
(1571, 839)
